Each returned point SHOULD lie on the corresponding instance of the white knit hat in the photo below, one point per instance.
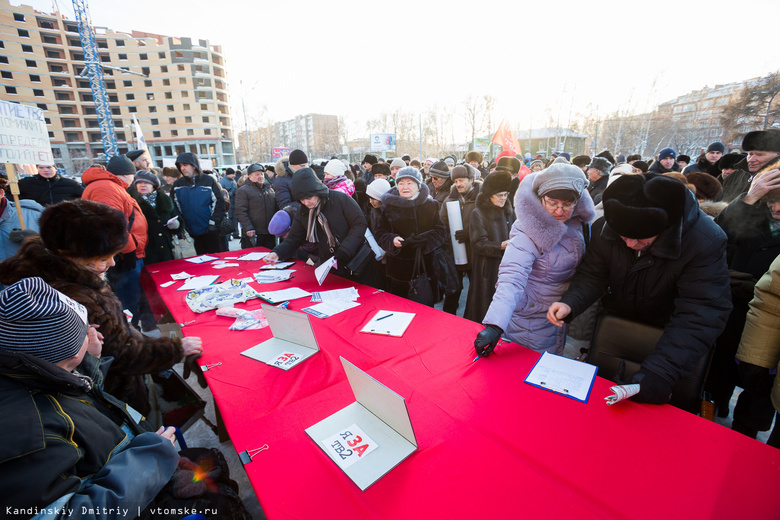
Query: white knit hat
(377, 188)
(335, 167)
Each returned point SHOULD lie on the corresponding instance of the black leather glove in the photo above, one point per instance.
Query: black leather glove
(191, 366)
(653, 389)
(742, 285)
(342, 257)
(487, 340)
(460, 235)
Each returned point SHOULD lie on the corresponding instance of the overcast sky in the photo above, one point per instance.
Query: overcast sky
(357, 59)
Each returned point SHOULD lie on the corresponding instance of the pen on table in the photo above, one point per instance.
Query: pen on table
(500, 340)
(383, 317)
(186, 323)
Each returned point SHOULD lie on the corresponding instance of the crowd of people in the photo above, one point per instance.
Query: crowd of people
(668, 242)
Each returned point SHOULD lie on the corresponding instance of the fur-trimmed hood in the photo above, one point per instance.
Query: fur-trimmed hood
(392, 198)
(541, 227)
(282, 167)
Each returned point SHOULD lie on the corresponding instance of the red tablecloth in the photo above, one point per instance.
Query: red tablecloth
(490, 445)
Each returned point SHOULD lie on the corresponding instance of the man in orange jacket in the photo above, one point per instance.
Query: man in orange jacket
(109, 186)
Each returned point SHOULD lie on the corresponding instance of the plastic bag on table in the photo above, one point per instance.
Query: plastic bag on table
(245, 320)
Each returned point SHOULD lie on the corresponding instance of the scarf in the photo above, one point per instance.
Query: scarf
(151, 199)
(311, 228)
(334, 181)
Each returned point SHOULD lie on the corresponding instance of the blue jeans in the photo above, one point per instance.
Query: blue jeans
(127, 287)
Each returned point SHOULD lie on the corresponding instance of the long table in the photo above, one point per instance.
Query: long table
(490, 445)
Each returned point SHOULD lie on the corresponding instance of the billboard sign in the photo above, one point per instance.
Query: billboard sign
(382, 142)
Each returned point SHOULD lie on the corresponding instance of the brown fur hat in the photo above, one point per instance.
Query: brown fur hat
(83, 229)
(474, 155)
(707, 186)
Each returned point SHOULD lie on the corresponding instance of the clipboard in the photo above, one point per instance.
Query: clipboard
(293, 342)
(284, 295)
(383, 416)
(567, 377)
(389, 323)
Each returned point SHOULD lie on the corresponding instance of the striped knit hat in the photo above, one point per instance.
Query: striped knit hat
(38, 320)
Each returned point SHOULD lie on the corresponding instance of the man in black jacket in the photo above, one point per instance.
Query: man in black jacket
(48, 187)
(198, 197)
(656, 258)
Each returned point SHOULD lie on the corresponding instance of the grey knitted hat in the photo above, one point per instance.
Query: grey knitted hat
(412, 173)
(38, 320)
(560, 177)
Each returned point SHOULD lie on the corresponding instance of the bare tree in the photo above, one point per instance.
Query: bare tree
(755, 107)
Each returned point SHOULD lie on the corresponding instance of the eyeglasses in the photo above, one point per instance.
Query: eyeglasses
(567, 206)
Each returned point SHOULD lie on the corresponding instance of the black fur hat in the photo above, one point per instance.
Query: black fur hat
(606, 154)
(509, 164)
(643, 206)
(381, 169)
(496, 182)
(763, 140)
(83, 229)
(730, 161)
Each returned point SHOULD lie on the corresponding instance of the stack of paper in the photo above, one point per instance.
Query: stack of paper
(349, 294)
(277, 265)
(202, 259)
(563, 376)
(253, 256)
(273, 276)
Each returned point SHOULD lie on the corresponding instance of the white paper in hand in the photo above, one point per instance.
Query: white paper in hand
(324, 268)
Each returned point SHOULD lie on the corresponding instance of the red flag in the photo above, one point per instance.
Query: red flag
(506, 138)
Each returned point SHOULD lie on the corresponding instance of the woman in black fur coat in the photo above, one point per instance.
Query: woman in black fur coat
(489, 227)
(410, 220)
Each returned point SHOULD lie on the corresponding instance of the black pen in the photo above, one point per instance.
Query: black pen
(383, 317)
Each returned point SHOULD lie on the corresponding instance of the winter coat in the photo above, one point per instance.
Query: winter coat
(49, 191)
(9, 220)
(442, 193)
(656, 167)
(231, 187)
(282, 185)
(159, 247)
(255, 207)
(405, 217)
(489, 226)
(681, 284)
(702, 165)
(374, 214)
(340, 183)
(538, 264)
(60, 429)
(199, 201)
(737, 183)
(596, 189)
(109, 189)
(346, 221)
(751, 246)
(467, 205)
(134, 354)
(760, 343)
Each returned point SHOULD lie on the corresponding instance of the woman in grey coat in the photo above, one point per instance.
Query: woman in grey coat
(546, 244)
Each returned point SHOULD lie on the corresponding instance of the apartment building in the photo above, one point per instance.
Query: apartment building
(315, 134)
(696, 117)
(175, 87)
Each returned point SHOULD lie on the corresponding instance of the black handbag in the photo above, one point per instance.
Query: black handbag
(450, 281)
(226, 226)
(420, 290)
(361, 259)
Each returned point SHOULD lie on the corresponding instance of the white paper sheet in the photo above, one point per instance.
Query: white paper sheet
(284, 295)
(223, 265)
(562, 375)
(328, 309)
(389, 323)
(168, 284)
(379, 253)
(280, 275)
(324, 268)
(253, 256)
(278, 265)
(198, 282)
(621, 392)
(202, 259)
(181, 276)
(348, 294)
(456, 224)
(349, 445)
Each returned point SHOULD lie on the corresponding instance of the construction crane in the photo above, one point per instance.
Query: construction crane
(94, 72)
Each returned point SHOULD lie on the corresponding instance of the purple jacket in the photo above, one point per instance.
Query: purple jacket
(536, 269)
